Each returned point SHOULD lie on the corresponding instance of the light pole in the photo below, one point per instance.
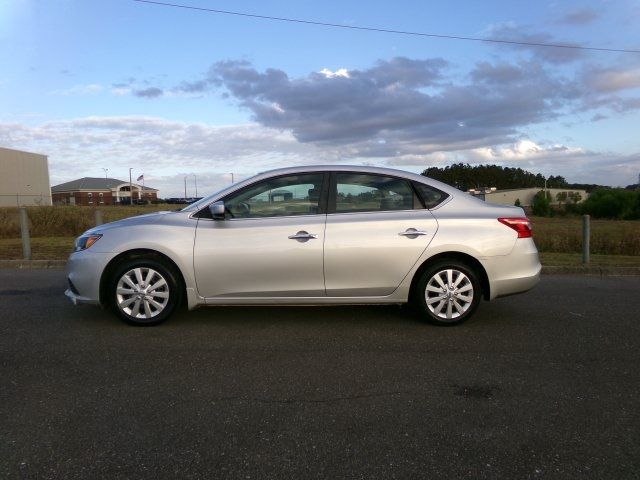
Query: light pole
(130, 188)
(105, 171)
(195, 183)
(185, 188)
(232, 178)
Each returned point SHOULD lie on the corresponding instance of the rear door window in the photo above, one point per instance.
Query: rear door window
(357, 192)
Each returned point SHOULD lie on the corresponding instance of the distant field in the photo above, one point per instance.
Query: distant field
(54, 228)
(67, 221)
(608, 237)
(42, 248)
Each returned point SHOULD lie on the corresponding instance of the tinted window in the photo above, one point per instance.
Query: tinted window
(370, 193)
(431, 196)
(277, 197)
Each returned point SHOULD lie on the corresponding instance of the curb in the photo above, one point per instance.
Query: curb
(590, 270)
(546, 269)
(33, 264)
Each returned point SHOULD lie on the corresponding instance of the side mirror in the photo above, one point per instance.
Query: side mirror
(217, 210)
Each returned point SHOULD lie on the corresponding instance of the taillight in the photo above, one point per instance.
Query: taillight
(522, 225)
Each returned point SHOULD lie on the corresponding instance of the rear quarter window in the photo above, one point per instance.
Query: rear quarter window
(431, 197)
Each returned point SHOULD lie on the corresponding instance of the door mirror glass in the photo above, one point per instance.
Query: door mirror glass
(217, 210)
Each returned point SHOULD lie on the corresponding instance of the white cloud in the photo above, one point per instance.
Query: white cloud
(525, 150)
(341, 72)
(166, 151)
(576, 164)
(162, 149)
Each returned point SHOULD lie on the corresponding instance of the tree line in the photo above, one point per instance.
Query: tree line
(465, 177)
(612, 203)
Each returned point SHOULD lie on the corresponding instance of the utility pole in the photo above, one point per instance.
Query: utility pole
(130, 188)
(105, 172)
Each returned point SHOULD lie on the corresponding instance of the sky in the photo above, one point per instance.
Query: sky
(181, 94)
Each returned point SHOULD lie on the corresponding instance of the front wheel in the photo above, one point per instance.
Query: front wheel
(448, 293)
(144, 292)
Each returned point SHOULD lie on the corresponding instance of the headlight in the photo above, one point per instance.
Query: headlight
(85, 241)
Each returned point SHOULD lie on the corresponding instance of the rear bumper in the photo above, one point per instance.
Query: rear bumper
(514, 273)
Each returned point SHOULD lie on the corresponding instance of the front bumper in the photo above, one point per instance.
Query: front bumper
(84, 271)
(77, 299)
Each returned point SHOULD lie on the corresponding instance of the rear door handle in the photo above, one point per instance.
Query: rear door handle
(412, 232)
(302, 235)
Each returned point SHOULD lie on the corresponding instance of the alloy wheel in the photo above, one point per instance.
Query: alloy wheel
(142, 293)
(449, 294)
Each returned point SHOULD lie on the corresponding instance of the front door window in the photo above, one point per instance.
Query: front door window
(278, 197)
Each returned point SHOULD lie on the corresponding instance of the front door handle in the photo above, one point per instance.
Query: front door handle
(302, 235)
(412, 232)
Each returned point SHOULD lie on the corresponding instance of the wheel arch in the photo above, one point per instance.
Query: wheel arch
(109, 270)
(465, 258)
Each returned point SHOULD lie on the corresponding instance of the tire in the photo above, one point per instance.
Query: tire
(144, 291)
(445, 306)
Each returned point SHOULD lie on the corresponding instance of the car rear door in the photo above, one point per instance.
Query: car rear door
(376, 231)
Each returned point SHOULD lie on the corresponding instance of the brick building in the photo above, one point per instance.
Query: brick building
(100, 191)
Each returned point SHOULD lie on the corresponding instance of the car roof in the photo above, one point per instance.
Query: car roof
(358, 169)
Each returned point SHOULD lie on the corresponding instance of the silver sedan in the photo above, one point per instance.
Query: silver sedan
(309, 236)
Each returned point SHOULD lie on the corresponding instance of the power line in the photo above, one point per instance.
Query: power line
(386, 30)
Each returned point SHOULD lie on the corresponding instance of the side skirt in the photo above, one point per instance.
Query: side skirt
(391, 299)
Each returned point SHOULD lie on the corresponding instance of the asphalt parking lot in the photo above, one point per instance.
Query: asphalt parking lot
(542, 385)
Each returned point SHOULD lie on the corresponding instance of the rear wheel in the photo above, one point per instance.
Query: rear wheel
(448, 292)
(144, 292)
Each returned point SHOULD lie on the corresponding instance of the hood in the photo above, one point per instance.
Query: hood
(155, 218)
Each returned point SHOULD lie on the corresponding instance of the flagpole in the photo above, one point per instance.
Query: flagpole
(140, 192)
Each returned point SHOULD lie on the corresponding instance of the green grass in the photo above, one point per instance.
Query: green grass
(575, 259)
(42, 248)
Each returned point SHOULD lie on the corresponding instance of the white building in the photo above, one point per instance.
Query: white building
(24, 178)
(525, 195)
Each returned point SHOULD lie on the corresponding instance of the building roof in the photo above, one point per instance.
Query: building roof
(92, 183)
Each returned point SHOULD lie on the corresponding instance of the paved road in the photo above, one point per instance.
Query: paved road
(543, 385)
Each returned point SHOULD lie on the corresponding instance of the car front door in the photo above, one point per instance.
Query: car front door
(376, 231)
(270, 244)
